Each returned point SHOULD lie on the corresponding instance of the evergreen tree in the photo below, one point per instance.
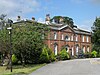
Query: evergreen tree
(96, 35)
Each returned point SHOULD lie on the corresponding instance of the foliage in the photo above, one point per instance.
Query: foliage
(66, 20)
(96, 35)
(87, 55)
(64, 55)
(2, 21)
(44, 57)
(20, 70)
(94, 54)
(51, 55)
(4, 41)
(27, 42)
(14, 59)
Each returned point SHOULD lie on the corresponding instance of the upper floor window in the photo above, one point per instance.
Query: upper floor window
(67, 38)
(82, 38)
(87, 38)
(76, 37)
(62, 37)
(72, 37)
(55, 35)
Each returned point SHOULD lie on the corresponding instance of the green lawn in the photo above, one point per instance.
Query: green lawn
(19, 70)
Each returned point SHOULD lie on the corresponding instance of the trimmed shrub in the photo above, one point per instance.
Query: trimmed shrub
(44, 57)
(14, 59)
(94, 54)
(51, 55)
(64, 55)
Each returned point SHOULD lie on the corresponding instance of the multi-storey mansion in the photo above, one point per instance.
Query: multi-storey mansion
(73, 39)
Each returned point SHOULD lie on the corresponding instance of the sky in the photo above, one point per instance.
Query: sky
(83, 12)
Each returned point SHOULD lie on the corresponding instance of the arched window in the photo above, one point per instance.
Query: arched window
(67, 48)
(88, 49)
(83, 48)
(67, 38)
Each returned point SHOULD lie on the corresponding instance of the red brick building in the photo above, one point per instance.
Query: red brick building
(73, 39)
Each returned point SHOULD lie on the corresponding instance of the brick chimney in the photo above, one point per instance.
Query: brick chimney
(33, 19)
(47, 19)
(18, 18)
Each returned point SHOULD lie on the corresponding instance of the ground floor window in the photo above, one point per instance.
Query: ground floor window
(77, 50)
(72, 51)
(83, 49)
(88, 50)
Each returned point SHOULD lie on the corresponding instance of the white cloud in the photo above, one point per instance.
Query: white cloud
(86, 25)
(41, 20)
(14, 8)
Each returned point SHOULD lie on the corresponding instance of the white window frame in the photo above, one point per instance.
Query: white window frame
(55, 35)
(82, 38)
(55, 49)
(62, 37)
(72, 37)
(87, 38)
(76, 37)
(83, 49)
(88, 49)
(67, 39)
(72, 51)
(77, 50)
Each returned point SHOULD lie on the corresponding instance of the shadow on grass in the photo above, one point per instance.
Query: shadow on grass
(20, 73)
(26, 66)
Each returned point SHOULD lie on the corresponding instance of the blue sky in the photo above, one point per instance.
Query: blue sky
(83, 12)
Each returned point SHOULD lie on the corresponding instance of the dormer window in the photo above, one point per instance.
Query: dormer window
(55, 35)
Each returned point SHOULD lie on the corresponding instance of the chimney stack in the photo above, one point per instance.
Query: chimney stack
(33, 19)
(47, 20)
(18, 18)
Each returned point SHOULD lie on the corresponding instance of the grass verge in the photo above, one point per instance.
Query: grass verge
(20, 70)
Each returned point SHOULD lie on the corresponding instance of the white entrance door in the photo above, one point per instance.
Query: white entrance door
(83, 49)
(76, 50)
(72, 51)
(55, 49)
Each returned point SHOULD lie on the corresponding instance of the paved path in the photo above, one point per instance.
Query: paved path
(71, 67)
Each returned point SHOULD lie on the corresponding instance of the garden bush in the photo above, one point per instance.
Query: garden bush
(14, 59)
(44, 57)
(64, 55)
(87, 55)
(51, 55)
(94, 54)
